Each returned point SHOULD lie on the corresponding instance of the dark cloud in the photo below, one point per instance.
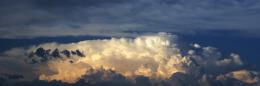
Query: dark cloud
(39, 18)
(179, 79)
(48, 54)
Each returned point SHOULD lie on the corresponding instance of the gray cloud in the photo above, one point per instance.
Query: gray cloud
(101, 17)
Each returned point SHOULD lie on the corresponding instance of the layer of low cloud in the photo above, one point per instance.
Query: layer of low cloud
(28, 19)
(148, 59)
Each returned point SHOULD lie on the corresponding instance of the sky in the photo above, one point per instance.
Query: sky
(129, 42)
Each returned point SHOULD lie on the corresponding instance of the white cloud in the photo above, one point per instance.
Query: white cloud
(154, 56)
(196, 45)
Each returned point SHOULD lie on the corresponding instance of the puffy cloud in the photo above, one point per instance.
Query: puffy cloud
(155, 59)
(65, 71)
(196, 45)
(234, 59)
(151, 56)
(245, 76)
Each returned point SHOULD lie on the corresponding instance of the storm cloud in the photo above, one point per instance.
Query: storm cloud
(52, 18)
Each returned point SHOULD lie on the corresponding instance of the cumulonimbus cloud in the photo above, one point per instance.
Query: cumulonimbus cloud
(157, 57)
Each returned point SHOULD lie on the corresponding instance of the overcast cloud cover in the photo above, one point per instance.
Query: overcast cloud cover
(39, 18)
